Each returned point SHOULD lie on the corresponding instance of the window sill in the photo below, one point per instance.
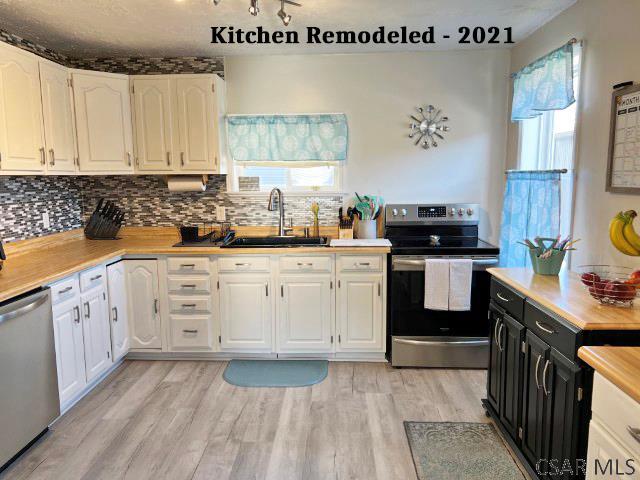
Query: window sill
(294, 193)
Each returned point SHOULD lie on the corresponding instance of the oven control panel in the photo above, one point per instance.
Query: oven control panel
(432, 214)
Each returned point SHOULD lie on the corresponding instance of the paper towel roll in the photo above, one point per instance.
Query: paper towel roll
(186, 183)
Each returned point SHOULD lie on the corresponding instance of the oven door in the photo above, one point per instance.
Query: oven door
(422, 337)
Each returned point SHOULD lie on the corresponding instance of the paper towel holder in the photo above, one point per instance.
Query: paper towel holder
(204, 179)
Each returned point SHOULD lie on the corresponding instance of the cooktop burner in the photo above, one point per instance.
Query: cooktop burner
(446, 246)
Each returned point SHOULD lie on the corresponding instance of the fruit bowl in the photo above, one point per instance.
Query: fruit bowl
(611, 285)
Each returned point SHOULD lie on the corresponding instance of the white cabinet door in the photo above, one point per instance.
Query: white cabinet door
(153, 123)
(305, 313)
(144, 315)
(103, 122)
(58, 117)
(359, 312)
(611, 457)
(21, 138)
(118, 315)
(195, 114)
(245, 312)
(96, 332)
(67, 331)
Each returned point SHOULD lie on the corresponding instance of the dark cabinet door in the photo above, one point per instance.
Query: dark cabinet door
(535, 356)
(495, 360)
(510, 345)
(561, 379)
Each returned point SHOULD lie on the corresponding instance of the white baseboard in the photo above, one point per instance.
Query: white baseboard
(222, 356)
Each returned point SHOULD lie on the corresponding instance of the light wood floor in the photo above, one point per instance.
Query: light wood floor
(181, 420)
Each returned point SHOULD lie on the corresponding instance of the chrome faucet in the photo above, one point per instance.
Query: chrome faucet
(272, 206)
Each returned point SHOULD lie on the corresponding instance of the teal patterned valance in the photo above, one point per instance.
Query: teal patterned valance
(546, 84)
(288, 138)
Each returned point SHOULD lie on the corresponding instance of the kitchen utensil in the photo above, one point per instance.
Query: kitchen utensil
(315, 209)
(105, 221)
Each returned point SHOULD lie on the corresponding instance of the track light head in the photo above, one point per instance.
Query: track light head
(286, 18)
(254, 9)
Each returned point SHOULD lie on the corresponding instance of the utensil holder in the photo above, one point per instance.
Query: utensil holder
(546, 266)
(367, 229)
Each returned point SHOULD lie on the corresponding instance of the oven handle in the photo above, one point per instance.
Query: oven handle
(460, 343)
(419, 263)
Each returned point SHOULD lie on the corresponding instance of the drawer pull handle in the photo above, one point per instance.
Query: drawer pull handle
(156, 308)
(544, 378)
(188, 305)
(189, 331)
(537, 368)
(65, 290)
(504, 299)
(188, 265)
(242, 264)
(545, 328)
(190, 285)
(97, 277)
(364, 264)
(302, 264)
(634, 432)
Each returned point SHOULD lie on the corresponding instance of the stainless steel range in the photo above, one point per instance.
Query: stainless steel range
(419, 337)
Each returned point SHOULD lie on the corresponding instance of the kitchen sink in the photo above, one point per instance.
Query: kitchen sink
(262, 242)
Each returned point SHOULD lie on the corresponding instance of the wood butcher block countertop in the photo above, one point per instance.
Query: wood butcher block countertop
(619, 365)
(33, 263)
(566, 296)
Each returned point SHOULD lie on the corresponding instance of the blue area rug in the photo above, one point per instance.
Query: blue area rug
(276, 373)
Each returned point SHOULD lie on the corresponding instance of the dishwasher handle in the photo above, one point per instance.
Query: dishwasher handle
(34, 303)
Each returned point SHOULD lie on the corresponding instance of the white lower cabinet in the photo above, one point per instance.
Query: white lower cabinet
(144, 308)
(305, 313)
(118, 314)
(69, 345)
(245, 312)
(360, 312)
(95, 329)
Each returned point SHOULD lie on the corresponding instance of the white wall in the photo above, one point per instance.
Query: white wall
(378, 92)
(611, 36)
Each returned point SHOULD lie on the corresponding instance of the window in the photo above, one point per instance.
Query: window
(294, 176)
(547, 143)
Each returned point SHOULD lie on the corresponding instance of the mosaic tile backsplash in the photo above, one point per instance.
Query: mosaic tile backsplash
(146, 201)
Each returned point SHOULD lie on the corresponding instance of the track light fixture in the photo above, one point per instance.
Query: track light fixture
(254, 9)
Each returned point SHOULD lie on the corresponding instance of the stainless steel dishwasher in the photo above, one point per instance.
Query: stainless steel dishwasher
(28, 381)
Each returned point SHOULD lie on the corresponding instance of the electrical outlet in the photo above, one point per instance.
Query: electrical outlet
(221, 214)
(45, 220)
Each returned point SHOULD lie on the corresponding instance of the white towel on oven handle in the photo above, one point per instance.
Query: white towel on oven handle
(460, 272)
(436, 284)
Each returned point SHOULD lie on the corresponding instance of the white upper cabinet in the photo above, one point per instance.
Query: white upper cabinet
(22, 146)
(179, 121)
(118, 314)
(103, 122)
(58, 118)
(153, 123)
(144, 315)
(196, 117)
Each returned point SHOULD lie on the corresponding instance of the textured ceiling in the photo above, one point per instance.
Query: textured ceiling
(182, 27)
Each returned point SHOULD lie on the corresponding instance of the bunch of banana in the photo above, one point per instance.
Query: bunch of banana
(623, 235)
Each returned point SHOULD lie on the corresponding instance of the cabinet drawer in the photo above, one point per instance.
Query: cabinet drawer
(617, 411)
(187, 265)
(189, 285)
(507, 298)
(191, 332)
(551, 329)
(360, 263)
(243, 264)
(92, 278)
(65, 290)
(305, 264)
(611, 455)
(189, 305)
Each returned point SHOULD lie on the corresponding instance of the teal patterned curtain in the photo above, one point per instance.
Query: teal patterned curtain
(531, 209)
(546, 84)
(284, 138)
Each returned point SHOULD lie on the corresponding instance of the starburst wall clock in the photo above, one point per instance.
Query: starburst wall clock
(428, 126)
